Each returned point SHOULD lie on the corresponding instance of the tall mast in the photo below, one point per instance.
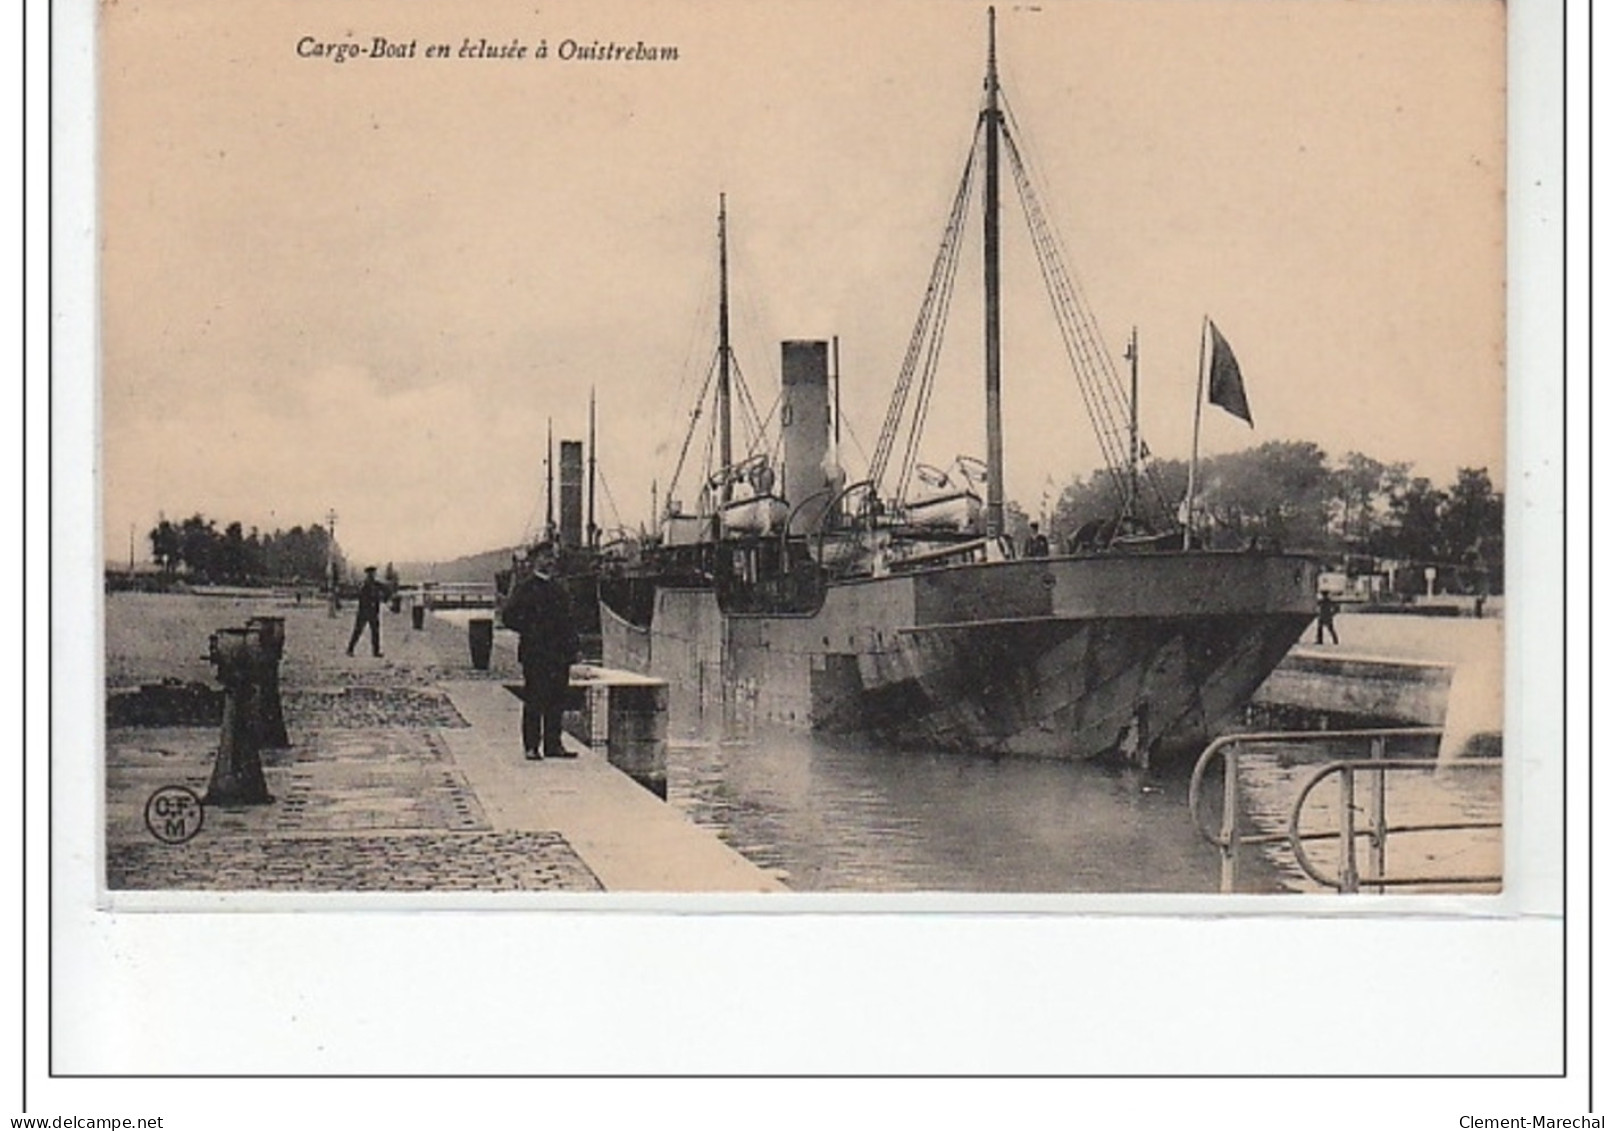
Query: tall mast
(549, 481)
(1132, 429)
(593, 533)
(991, 123)
(725, 441)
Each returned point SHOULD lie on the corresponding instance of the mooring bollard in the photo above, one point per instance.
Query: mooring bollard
(481, 635)
(266, 692)
(238, 774)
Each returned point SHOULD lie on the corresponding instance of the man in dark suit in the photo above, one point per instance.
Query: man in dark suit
(1326, 618)
(371, 594)
(1037, 543)
(538, 611)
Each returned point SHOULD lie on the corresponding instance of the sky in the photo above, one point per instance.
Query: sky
(369, 286)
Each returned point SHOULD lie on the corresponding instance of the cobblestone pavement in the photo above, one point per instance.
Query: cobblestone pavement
(370, 809)
(486, 861)
(368, 798)
(328, 707)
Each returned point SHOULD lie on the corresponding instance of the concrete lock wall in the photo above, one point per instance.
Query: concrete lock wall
(636, 740)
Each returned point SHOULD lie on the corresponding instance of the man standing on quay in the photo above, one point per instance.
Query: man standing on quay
(1326, 618)
(537, 610)
(371, 594)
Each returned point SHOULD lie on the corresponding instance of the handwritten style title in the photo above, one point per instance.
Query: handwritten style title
(567, 50)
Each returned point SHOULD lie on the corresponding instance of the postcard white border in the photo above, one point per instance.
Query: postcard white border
(630, 991)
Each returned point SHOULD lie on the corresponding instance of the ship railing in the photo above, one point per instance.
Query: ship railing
(1349, 878)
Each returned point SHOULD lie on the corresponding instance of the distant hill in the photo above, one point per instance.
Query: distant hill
(473, 567)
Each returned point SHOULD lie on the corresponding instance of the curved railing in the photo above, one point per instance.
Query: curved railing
(1228, 838)
(1348, 879)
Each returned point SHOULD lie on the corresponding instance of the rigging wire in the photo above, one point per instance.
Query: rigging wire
(750, 421)
(777, 446)
(1079, 346)
(611, 501)
(689, 433)
(749, 319)
(863, 453)
(1027, 157)
(703, 319)
(1112, 400)
(932, 358)
(1097, 382)
(706, 461)
(937, 289)
(530, 524)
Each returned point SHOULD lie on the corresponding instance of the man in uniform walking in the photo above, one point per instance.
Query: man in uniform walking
(1326, 618)
(538, 611)
(371, 595)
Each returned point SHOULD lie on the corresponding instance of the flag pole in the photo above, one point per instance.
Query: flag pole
(549, 481)
(1194, 456)
(1131, 355)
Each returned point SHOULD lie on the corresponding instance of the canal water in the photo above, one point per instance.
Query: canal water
(838, 814)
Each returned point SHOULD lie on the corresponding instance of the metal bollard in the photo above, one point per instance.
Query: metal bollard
(417, 616)
(266, 693)
(481, 637)
(238, 774)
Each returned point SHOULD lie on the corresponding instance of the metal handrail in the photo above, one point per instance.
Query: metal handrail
(1349, 881)
(1229, 839)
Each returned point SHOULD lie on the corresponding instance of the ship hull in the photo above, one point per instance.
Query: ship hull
(1060, 657)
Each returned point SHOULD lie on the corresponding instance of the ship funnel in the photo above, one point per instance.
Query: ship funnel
(571, 533)
(805, 429)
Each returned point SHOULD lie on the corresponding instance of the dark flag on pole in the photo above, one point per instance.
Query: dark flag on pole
(1227, 386)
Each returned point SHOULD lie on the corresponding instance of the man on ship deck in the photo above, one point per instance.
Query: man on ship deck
(1037, 543)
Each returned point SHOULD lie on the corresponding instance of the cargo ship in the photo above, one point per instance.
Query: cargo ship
(898, 607)
(576, 551)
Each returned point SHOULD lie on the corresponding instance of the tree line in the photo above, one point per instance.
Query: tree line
(236, 556)
(1290, 494)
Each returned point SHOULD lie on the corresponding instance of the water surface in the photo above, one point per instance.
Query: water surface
(841, 814)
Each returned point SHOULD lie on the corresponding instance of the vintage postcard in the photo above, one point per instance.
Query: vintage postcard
(931, 456)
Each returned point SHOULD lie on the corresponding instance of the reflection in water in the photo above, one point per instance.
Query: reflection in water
(837, 814)
(834, 813)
